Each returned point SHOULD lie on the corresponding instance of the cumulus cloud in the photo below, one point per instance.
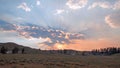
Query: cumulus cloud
(24, 6)
(100, 4)
(37, 2)
(106, 4)
(76, 4)
(53, 35)
(117, 5)
(59, 11)
(113, 20)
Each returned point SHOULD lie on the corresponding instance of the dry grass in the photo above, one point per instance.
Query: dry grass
(58, 61)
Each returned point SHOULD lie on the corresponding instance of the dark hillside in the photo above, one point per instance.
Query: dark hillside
(10, 46)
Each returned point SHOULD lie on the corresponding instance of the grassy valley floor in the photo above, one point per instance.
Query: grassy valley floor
(58, 61)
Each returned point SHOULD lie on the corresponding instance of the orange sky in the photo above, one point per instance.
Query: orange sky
(85, 45)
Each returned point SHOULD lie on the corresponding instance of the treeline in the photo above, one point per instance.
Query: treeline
(102, 51)
(15, 50)
(106, 51)
(66, 52)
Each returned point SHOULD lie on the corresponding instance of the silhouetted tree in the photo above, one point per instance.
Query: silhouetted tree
(3, 50)
(65, 51)
(23, 50)
(106, 51)
(15, 50)
(118, 50)
(83, 53)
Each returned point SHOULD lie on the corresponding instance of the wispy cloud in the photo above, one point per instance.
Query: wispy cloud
(76, 4)
(113, 20)
(24, 6)
(4, 26)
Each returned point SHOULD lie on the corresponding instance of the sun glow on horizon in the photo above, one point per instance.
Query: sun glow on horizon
(60, 46)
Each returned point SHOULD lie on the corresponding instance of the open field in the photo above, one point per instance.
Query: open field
(58, 61)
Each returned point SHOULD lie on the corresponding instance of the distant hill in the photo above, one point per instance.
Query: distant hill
(11, 45)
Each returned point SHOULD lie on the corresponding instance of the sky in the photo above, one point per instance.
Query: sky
(61, 24)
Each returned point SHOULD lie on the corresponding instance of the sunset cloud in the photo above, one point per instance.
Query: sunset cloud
(116, 5)
(76, 4)
(52, 36)
(106, 5)
(24, 6)
(113, 20)
(100, 4)
(59, 11)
